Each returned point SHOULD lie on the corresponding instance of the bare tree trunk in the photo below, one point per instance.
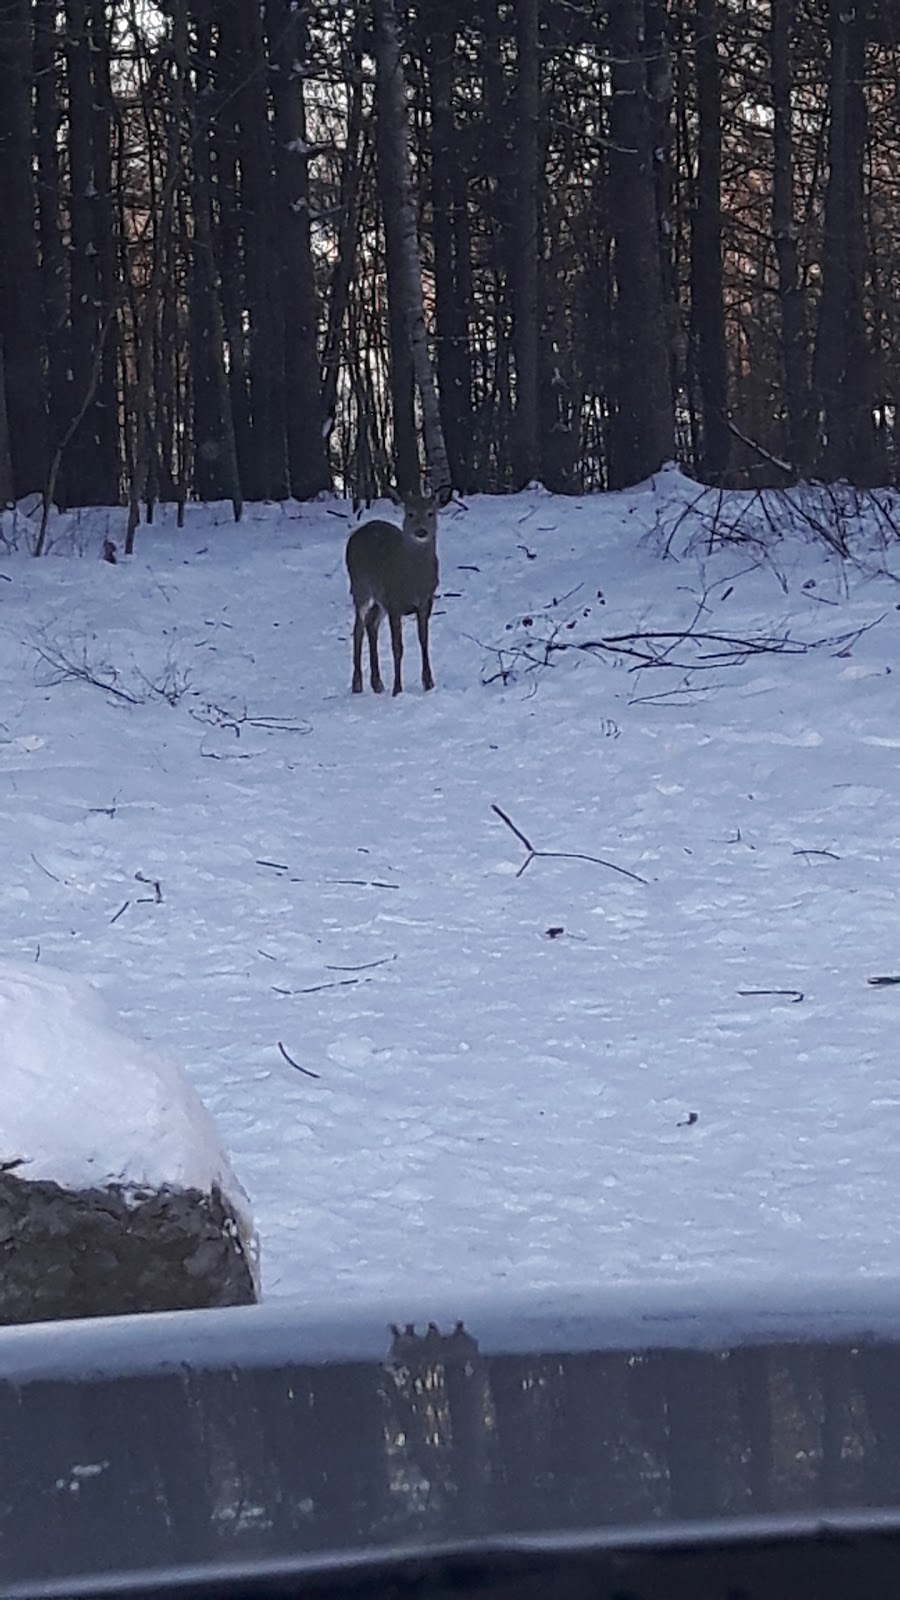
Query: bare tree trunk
(843, 364)
(88, 391)
(107, 463)
(526, 421)
(642, 435)
(494, 413)
(81, 253)
(20, 284)
(162, 235)
(164, 434)
(262, 281)
(7, 490)
(707, 288)
(92, 463)
(348, 238)
(225, 211)
(688, 412)
(216, 470)
(400, 218)
(407, 465)
(660, 89)
(451, 255)
(47, 105)
(308, 466)
(784, 230)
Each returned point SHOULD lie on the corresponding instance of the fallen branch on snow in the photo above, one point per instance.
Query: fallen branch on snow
(364, 966)
(72, 663)
(233, 721)
(687, 650)
(794, 995)
(69, 668)
(292, 1063)
(560, 855)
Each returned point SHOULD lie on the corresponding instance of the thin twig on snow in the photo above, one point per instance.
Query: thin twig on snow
(560, 855)
(292, 1063)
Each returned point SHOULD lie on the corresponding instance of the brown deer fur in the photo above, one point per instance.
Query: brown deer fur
(394, 573)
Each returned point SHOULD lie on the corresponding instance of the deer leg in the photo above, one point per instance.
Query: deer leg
(359, 629)
(373, 621)
(396, 622)
(422, 619)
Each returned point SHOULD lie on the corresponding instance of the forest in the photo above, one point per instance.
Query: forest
(258, 251)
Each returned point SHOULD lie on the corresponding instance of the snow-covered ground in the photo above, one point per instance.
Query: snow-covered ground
(539, 1079)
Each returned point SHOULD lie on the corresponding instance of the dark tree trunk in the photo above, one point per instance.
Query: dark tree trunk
(642, 432)
(843, 365)
(308, 467)
(47, 102)
(7, 488)
(401, 222)
(216, 473)
(348, 238)
(450, 266)
(107, 462)
(263, 285)
(660, 88)
(784, 229)
(20, 283)
(402, 376)
(688, 414)
(86, 459)
(165, 453)
(497, 180)
(162, 263)
(464, 385)
(707, 289)
(526, 332)
(227, 241)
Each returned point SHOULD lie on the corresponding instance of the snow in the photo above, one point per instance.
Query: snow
(83, 1104)
(495, 1107)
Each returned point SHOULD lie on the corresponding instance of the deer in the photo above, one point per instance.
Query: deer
(393, 572)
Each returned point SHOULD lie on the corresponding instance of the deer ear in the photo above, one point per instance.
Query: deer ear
(393, 495)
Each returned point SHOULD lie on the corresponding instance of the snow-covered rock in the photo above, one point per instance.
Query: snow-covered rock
(115, 1192)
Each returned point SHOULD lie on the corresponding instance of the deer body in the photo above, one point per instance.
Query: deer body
(394, 573)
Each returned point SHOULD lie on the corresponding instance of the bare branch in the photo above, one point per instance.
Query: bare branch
(560, 855)
(364, 966)
(517, 831)
(292, 1063)
(794, 995)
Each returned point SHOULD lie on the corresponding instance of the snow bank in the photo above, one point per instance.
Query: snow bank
(85, 1105)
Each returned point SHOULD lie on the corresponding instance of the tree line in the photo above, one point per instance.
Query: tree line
(252, 250)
